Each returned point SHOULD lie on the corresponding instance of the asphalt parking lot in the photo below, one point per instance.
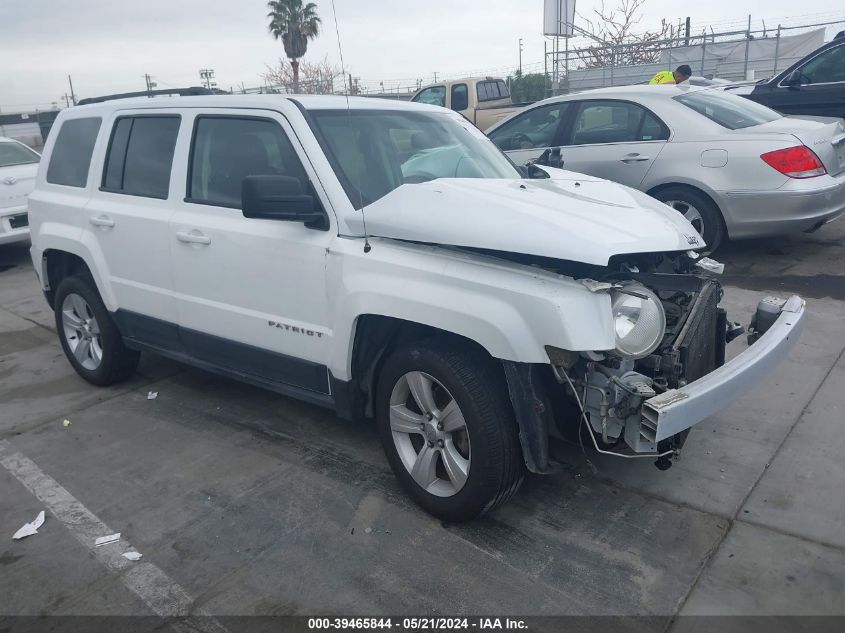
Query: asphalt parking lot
(244, 502)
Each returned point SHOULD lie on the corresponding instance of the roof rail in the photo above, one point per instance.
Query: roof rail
(183, 92)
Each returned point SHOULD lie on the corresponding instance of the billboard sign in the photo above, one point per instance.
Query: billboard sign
(558, 17)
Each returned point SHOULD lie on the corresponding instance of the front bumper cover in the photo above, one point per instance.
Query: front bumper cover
(676, 410)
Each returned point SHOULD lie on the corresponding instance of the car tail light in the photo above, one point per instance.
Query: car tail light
(795, 162)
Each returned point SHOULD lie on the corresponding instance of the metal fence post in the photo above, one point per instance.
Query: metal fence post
(612, 62)
(545, 68)
(747, 44)
(777, 50)
(703, 51)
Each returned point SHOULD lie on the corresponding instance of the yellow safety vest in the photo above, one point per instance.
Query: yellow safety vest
(663, 77)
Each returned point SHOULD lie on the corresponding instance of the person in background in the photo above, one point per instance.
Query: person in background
(681, 74)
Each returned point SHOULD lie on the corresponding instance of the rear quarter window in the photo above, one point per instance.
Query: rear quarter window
(12, 153)
(71, 156)
(730, 111)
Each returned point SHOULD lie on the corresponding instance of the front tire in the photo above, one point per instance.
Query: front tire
(701, 212)
(446, 424)
(89, 337)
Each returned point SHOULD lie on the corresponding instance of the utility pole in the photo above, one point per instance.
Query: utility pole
(520, 57)
(72, 95)
(67, 100)
(206, 77)
(148, 79)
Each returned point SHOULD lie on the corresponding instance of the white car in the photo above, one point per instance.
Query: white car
(18, 166)
(387, 261)
(732, 167)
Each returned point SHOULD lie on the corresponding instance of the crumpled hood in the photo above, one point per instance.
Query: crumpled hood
(568, 216)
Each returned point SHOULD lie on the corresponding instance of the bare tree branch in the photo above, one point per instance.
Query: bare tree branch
(321, 77)
(616, 26)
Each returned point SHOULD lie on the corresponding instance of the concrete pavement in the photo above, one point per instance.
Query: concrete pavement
(251, 503)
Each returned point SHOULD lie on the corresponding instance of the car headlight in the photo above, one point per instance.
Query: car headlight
(638, 319)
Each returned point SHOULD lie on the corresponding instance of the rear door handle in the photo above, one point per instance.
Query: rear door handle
(634, 158)
(102, 220)
(192, 237)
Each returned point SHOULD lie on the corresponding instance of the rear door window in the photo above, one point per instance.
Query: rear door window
(140, 155)
(730, 111)
(615, 122)
(71, 156)
(225, 150)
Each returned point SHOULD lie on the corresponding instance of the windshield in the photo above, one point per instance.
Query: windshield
(730, 111)
(16, 154)
(375, 151)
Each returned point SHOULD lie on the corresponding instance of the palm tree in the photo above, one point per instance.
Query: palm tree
(294, 23)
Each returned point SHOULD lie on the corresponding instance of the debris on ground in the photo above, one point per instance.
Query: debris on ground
(152, 395)
(66, 423)
(28, 529)
(105, 540)
(132, 555)
(368, 530)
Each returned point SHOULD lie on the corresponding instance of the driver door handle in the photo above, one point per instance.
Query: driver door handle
(102, 221)
(634, 158)
(193, 237)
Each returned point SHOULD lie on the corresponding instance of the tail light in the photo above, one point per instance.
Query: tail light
(795, 162)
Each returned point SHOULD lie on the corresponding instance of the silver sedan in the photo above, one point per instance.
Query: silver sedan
(734, 168)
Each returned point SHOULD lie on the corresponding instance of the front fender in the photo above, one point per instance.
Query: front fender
(513, 311)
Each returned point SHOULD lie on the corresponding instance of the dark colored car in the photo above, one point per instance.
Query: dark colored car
(814, 85)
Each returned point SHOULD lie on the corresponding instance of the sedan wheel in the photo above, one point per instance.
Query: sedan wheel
(699, 210)
(692, 214)
(81, 331)
(430, 434)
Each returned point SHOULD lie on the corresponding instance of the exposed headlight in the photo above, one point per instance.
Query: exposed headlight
(639, 320)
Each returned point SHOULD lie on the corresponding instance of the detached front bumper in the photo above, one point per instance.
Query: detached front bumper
(676, 410)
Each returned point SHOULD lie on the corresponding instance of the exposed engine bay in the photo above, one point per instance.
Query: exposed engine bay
(670, 331)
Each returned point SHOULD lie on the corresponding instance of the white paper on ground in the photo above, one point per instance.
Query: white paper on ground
(105, 540)
(28, 529)
(132, 555)
(152, 395)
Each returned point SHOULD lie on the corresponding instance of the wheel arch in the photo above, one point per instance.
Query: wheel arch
(56, 265)
(376, 336)
(653, 191)
(684, 185)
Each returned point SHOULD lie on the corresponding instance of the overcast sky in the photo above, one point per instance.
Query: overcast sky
(107, 47)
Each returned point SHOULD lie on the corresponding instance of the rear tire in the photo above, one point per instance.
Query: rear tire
(447, 426)
(89, 336)
(702, 213)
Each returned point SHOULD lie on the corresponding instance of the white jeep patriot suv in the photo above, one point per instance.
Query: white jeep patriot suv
(387, 261)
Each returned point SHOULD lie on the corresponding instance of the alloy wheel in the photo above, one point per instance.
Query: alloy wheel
(690, 212)
(82, 332)
(430, 434)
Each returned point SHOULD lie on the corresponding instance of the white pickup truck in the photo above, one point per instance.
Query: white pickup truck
(387, 261)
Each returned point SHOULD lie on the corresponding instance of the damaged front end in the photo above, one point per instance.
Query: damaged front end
(668, 369)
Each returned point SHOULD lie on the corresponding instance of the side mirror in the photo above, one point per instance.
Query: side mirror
(551, 158)
(280, 198)
(793, 80)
